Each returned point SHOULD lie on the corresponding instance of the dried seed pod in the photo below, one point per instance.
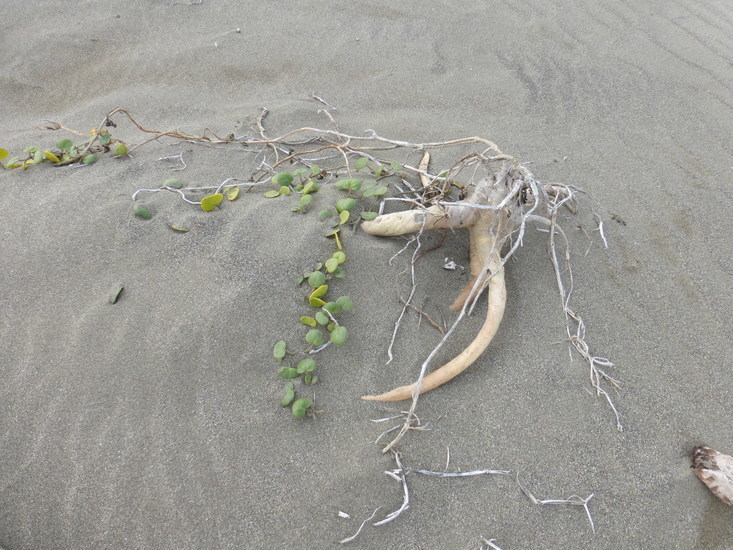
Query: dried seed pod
(715, 470)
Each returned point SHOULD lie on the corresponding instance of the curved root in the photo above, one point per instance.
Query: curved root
(494, 314)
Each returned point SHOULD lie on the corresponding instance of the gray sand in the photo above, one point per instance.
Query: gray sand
(154, 423)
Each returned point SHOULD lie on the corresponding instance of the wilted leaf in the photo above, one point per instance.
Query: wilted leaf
(114, 296)
(232, 192)
(308, 321)
(50, 156)
(3, 153)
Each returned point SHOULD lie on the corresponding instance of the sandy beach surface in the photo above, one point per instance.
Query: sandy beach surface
(155, 422)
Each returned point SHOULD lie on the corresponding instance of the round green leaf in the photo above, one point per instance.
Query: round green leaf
(368, 215)
(64, 144)
(175, 183)
(288, 373)
(272, 194)
(361, 163)
(105, 138)
(279, 350)
(90, 159)
(314, 337)
(316, 279)
(301, 406)
(323, 214)
(320, 291)
(283, 178)
(331, 265)
(345, 303)
(142, 212)
(120, 149)
(305, 200)
(306, 365)
(339, 335)
(210, 202)
(285, 190)
(288, 397)
(322, 318)
(345, 204)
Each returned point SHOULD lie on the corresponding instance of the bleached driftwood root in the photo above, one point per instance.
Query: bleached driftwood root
(489, 215)
(715, 470)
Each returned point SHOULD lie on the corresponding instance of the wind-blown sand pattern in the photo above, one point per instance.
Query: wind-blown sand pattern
(155, 422)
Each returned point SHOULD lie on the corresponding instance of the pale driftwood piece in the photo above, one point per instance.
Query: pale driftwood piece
(715, 470)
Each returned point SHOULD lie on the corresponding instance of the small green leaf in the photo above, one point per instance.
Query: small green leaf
(322, 318)
(105, 138)
(368, 215)
(381, 190)
(3, 153)
(142, 212)
(339, 335)
(315, 171)
(210, 202)
(309, 187)
(349, 184)
(332, 307)
(299, 171)
(306, 365)
(31, 149)
(332, 264)
(320, 291)
(361, 163)
(396, 166)
(279, 350)
(38, 157)
(285, 190)
(369, 191)
(379, 171)
(344, 217)
(345, 204)
(316, 279)
(288, 373)
(340, 256)
(323, 214)
(272, 194)
(283, 178)
(345, 303)
(120, 149)
(64, 144)
(308, 321)
(89, 159)
(314, 337)
(14, 163)
(174, 183)
(315, 302)
(288, 396)
(301, 406)
(310, 378)
(339, 273)
(305, 200)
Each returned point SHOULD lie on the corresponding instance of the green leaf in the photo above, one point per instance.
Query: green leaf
(339, 335)
(50, 156)
(31, 149)
(349, 184)
(340, 256)
(89, 159)
(310, 378)
(379, 171)
(305, 200)
(288, 373)
(38, 157)
(396, 166)
(368, 215)
(301, 406)
(283, 178)
(173, 182)
(299, 171)
(316, 279)
(279, 350)
(339, 273)
(120, 149)
(345, 303)
(64, 144)
(344, 217)
(314, 337)
(323, 214)
(315, 171)
(322, 318)
(332, 264)
(309, 187)
(142, 212)
(306, 365)
(105, 138)
(3, 153)
(14, 163)
(284, 190)
(289, 395)
(272, 194)
(361, 163)
(369, 191)
(381, 190)
(308, 321)
(345, 204)
(332, 307)
(210, 202)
